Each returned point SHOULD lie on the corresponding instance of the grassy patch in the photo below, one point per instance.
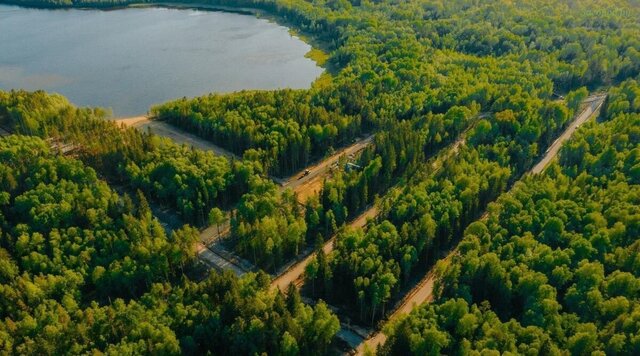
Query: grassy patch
(318, 56)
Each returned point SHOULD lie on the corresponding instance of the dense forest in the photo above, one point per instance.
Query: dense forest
(188, 180)
(87, 270)
(555, 265)
(268, 226)
(434, 207)
(285, 131)
(462, 97)
(71, 243)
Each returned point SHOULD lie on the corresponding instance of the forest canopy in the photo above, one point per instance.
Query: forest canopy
(462, 98)
(555, 266)
(85, 269)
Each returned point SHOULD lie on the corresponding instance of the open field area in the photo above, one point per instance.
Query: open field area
(308, 185)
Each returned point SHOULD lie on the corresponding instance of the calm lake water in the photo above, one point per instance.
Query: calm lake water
(130, 59)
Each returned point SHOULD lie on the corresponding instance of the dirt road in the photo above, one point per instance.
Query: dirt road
(214, 233)
(216, 261)
(421, 293)
(211, 251)
(160, 128)
(296, 271)
(312, 182)
(593, 105)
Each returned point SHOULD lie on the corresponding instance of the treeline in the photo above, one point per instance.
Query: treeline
(382, 44)
(188, 180)
(283, 129)
(554, 268)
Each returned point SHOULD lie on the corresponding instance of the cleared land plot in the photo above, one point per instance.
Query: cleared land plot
(310, 184)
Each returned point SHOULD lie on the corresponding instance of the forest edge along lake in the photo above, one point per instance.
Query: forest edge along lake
(129, 59)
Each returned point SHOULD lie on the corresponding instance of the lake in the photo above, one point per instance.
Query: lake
(130, 59)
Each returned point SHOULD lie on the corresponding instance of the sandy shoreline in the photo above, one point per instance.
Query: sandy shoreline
(131, 121)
